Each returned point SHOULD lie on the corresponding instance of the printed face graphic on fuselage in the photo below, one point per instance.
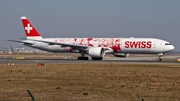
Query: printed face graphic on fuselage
(113, 43)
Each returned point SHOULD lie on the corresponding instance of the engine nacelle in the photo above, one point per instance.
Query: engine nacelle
(96, 52)
(121, 54)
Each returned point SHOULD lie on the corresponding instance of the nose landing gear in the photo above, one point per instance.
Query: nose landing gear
(159, 59)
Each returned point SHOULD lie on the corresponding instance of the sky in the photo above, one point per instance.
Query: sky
(92, 18)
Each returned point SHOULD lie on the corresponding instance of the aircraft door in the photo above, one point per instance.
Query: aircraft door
(154, 44)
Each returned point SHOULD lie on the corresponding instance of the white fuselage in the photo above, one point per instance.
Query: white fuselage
(114, 45)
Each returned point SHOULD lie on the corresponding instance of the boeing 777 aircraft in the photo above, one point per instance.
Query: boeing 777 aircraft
(94, 47)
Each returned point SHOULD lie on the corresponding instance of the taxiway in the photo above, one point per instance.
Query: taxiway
(129, 60)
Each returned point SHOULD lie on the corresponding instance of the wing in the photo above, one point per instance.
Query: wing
(75, 46)
(25, 42)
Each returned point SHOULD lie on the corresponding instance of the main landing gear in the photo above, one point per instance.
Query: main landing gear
(93, 58)
(82, 57)
(86, 58)
(159, 59)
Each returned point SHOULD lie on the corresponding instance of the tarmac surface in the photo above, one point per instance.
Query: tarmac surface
(129, 60)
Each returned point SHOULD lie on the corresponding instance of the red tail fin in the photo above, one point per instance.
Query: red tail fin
(29, 29)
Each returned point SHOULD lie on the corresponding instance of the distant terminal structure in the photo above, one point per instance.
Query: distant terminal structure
(11, 50)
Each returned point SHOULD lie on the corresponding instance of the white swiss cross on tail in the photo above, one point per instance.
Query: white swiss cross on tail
(28, 28)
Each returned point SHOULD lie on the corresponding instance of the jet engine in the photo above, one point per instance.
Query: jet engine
(121, 54)
(96, 52)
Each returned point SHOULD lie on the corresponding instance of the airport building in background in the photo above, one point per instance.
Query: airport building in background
(14, 50)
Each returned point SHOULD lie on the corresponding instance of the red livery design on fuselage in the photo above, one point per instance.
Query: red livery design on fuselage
(138, 44)
(96, 48)
(113, 43)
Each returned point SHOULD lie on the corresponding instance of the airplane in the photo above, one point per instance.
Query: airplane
(96, 48)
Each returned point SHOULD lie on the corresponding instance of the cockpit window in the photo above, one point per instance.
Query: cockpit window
(167, 44)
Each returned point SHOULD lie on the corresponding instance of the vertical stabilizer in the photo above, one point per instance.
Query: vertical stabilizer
(29, 29)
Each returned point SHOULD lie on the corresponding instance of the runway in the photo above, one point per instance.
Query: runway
(128, 60)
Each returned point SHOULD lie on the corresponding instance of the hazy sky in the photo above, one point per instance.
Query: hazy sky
(92, 18)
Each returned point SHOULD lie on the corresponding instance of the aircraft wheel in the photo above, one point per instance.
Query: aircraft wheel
(78, 58)
(93, 58)
(82, 58)
(85, 58)
(159, 59)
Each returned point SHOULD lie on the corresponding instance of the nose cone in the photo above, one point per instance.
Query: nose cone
(172, 47)
(169, 48)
